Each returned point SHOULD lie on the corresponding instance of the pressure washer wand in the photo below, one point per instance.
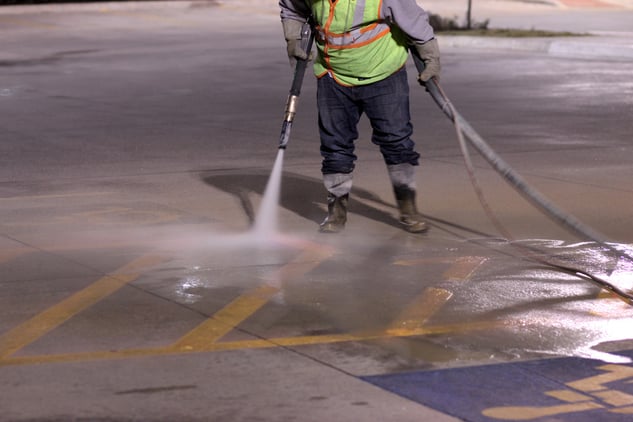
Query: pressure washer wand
(307, 38)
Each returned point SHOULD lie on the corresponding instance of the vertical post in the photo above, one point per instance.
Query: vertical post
(469, 14)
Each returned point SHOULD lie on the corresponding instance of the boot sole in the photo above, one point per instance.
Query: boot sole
(414, 229)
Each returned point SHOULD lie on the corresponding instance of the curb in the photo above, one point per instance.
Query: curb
(597, 47)
(612, 46)
(591, 50)
(107, 5)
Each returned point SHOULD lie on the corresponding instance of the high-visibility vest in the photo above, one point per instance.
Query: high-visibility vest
(356, 45)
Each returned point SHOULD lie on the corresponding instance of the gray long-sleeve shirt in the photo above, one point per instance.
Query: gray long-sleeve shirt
(405, 14)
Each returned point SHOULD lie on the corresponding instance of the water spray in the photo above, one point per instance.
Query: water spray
(566, 220)
(266, 219)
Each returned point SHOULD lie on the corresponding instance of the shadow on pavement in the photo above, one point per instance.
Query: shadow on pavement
(305, 196)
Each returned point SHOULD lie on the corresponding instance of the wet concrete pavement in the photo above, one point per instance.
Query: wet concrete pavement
(136, 145)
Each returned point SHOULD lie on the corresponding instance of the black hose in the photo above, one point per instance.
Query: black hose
(521, 186)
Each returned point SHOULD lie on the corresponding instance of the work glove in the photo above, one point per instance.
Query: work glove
(292, 34)
(429, 52)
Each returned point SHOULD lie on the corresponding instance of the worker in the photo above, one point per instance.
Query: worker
(362, 48)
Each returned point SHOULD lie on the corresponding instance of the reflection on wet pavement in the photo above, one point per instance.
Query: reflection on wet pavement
(437, 304)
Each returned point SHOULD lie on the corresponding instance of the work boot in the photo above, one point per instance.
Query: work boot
(336, 214)
(410, 219)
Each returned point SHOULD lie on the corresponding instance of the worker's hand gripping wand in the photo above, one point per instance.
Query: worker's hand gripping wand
(307, 38)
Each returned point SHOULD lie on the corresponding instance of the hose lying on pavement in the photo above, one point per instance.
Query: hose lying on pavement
(569, 222)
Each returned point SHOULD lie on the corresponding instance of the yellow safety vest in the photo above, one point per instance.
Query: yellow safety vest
(356, 45)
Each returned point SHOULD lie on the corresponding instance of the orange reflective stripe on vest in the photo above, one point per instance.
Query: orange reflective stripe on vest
(357, 45)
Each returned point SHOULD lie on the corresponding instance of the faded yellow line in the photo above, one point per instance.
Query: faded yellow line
(9, 254)
(29, 23)
(463, 268)
(55, 196)
(46, 321)
(253, 344)
(229, 317)
(225, 320)
(420, 310)
(417, 312)
(154, 18)
(418, 261)
(204, 338)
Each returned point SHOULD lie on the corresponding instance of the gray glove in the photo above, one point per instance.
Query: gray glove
(292, 34)
(429, 52)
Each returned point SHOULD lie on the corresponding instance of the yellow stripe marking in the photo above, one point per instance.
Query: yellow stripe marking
(623, 410)
(226, 319)
(251, 344)
(154, 18)
(9, 254)
(526, 413)
(415, 315)
(229, 317)
(55, 196)
(596, 383)
(463, 268)
(204, 338)
(568, 396)
(29, 23)
(418, 261)
(46, 321)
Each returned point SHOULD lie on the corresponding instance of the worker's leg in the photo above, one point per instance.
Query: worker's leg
(386, 103)
(338, 120)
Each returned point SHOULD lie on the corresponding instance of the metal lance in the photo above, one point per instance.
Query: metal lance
(307, 38)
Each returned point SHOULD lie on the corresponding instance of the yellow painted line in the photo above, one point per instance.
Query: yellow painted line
(526, 413)
(154, 18)
(420, 261)
(628, 410)
(9, 254)
(204, 338)
(304, 263)
(463, 268)
(85, 241)
(72, 245)
(596, 383)
(225, 320)
(568, 396)
(46, 321)
(112, 215)
(28, 23)
(447, 328)
(417, 312)
(614, 397)
(229, 317)
(250, 344)
(57, 196)
(348, 337)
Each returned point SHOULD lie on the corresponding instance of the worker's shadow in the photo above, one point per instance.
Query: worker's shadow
(302, 195)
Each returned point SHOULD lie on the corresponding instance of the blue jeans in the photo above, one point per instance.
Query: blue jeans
(386, 104)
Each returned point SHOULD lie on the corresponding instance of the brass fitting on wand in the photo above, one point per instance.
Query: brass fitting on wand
(291, 107)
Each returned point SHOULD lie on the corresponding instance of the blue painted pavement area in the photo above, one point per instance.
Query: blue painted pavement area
(562, 389)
